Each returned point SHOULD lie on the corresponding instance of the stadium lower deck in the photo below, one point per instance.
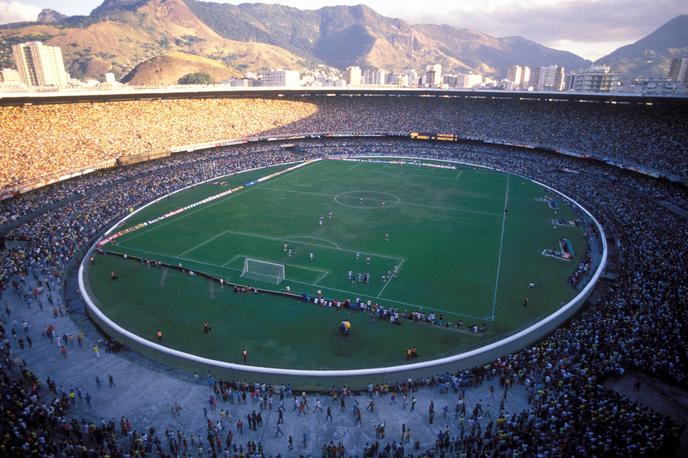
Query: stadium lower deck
(571, 376)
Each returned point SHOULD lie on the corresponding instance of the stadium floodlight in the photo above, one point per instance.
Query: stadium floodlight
(269, 272)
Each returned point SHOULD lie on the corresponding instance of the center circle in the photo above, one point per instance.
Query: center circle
(367, 200)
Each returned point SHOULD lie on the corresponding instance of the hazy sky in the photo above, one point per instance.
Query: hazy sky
(590, 28)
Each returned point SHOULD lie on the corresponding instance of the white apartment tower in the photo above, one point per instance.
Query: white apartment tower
(281, 78)
(39, 65)
(598, 78)
(374, 77)
(353, 76)
(515, 74)
(547, 78)
(433, 75)
(519, 76)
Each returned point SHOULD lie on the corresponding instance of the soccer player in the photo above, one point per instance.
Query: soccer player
(310, 255)
(244, 355)
(386, 237)
(285, 247)
(525, 301)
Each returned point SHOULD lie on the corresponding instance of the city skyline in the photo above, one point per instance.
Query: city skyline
(591, 28)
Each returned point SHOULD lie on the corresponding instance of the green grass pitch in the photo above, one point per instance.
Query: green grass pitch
(457, 255)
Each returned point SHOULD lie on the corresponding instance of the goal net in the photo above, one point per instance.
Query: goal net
(263, 271)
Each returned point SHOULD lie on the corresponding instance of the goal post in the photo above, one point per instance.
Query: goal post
(256, 269)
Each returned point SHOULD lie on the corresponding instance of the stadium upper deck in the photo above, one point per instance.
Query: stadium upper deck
(49, 137)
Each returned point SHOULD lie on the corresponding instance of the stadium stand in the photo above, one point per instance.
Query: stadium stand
(637, 324)
(69, 137)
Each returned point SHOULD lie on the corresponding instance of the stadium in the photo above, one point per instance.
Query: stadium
(513, 258)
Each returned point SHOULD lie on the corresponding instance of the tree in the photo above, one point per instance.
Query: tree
(195, 78)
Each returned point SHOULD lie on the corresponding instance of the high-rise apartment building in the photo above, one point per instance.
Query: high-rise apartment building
(39, 65)
(463, 80)
(678, 71)
(353, 76)
(411, 77)
(547, 78)
(375, 77)
(598, 78)
(514, 74)
(433, 75)
(525, 78)
(281, 78)
(519, 76)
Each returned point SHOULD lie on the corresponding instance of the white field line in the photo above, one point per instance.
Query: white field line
(296, 238)
(205, 207)
(232, 260)
(350, 293)
(458, 174)
(325, 274)
(501, 245)
(390, 279)
(195, 247)
(401, 202)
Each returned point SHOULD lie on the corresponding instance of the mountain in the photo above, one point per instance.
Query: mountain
(48, 16)
(492, 55)
(356, 35)
(121, 34)
(651, 55)
(143, 36)
(167, 68)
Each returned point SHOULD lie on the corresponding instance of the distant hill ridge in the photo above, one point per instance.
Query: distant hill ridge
(138, 39)
(356, 35)
(651, 55)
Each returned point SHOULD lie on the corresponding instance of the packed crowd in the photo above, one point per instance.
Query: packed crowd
(638, 324)
(653, 137)
(41, 140)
